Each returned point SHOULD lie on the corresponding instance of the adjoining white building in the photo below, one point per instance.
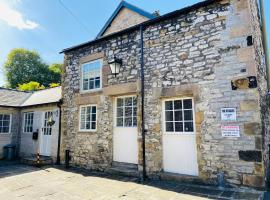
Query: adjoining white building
(30, 121)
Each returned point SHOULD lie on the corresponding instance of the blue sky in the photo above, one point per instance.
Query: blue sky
(45, 26)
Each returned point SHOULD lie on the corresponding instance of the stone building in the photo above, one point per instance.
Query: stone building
(24, 122)
(205, 95)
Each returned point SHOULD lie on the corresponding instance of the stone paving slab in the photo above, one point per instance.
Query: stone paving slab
(21, 182)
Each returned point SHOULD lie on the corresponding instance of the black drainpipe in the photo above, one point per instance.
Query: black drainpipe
(142, 103)
(59, 133)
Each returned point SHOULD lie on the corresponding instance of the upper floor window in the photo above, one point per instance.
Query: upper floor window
(5, 122)
(28, 122)
(91, 75)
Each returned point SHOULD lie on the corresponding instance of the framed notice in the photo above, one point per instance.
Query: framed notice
(230, 131)
(228, 114)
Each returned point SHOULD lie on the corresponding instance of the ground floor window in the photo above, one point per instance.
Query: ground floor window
(179, 116)
(28, 122)
(5, 123)
(88, 119)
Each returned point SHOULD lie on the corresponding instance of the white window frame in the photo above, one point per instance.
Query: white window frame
(87, 130)
(24, 115)
(10, 123)
(115, 123)
(164, 113)
(81, 79)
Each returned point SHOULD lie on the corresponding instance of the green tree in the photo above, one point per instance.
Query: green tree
(23, 66)
(31, 86)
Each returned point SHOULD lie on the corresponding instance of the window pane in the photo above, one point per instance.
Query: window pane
(119, 122)
(169, 116)
(187, 104)
(97, 83)
(6, 117)
(128, 101)
(134, 101)
(177, 104)
(93, 117)
(178, 126)
(5, 123)
(188, 126)
(120, 112)
(119, 102)
(128, 122)
(188, 115)
(178, 116)
(94, 109)
(169, 126)
(85, 84)
(134, 111)
(134, 121)
(128, 111)
(87, 125)
(93, 125)
(91, 84)
(168, 105)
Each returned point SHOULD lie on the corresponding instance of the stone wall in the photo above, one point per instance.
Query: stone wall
(197, 54)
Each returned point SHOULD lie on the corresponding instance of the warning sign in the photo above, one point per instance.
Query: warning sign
(230, 131)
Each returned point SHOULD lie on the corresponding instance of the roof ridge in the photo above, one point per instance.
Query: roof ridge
(15, 90)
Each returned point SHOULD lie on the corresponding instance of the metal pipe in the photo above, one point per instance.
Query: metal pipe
(265, 42)
(59, 134)
(142, 103)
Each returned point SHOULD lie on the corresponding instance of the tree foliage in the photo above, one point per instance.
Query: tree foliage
(31, 86)
(24, 66)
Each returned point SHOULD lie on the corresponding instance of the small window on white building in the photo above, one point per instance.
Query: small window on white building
(28, 122)
(179, 116)
(91, 75)
(5, 123)
(88, 118)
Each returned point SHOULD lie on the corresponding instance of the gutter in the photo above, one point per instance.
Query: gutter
(59, 133)
(265, 43)
(142, 102)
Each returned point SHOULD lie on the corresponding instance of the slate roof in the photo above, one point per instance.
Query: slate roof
(124, 4)
(15, 98)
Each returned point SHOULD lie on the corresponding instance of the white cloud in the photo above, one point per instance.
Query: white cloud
(14, 18)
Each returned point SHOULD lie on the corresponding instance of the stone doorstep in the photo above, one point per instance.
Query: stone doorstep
(126, 169)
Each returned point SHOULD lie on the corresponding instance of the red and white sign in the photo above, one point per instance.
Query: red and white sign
(230, 131)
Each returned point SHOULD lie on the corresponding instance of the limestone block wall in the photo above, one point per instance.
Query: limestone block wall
(198, 54)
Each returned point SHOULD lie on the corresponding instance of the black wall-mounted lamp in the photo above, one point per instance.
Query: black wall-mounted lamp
(115, 64)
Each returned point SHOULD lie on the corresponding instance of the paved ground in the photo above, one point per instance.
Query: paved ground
(28, 183)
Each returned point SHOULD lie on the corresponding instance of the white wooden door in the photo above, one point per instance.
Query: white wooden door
(125, 139)
(179, 139)
(46, 135)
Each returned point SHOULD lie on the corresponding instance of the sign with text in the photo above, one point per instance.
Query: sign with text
(228, 114)
(230, 131)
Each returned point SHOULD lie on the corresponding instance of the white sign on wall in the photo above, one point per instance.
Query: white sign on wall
(230, 131)
(228, 114)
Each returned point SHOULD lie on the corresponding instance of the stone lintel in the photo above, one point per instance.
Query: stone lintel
(87, 98)
(91, 57)
(121, 89)
(188, 90)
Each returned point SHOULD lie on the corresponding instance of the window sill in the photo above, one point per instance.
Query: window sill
(87, 131)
